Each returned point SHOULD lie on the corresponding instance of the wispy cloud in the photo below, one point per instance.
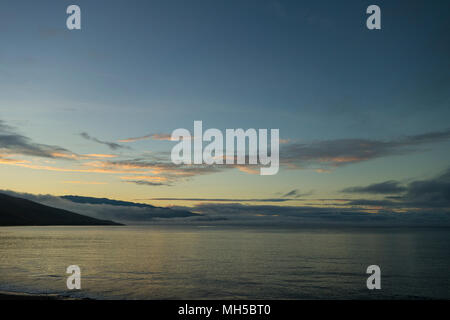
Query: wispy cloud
(237, 213)
(168, 170)
(153, 136)
(225, 199)
(387, 187)
(4, 160)
(335, 153)
(157, 170)
(147, 183)
(84, 182)
(111, 145)
(296, 194)
(99, 155)
(147, 180)
(418, 195)
(12, 142)
(430, 193)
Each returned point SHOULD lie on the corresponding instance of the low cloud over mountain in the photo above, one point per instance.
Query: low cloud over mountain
(127, 212)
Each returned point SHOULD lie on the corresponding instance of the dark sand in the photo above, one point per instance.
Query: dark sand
(26, 296)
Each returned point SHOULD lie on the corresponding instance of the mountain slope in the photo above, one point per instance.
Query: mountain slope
(21, 212)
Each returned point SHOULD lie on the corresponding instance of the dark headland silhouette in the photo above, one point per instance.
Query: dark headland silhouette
(21, 212)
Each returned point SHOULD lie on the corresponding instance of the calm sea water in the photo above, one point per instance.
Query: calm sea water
(226, 263)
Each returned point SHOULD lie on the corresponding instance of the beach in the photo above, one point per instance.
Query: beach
(27, 296)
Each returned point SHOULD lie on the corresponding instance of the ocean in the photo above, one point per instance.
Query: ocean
(189, 262)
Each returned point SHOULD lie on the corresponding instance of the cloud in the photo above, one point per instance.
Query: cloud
(420, 195)
(146, 183)
(322, 156)
(111, 145)
(225, 199)
(296, 194)
(268, 210)
(139, 171)
(301, 216)
(99, 155)
(417, 203)
(290, 193)
(374, 203)
(250, 169)
(10, 161)
(151, 170)
(387, 187)
(351, 213)
(12, 142)
(123, 211)
(431, 193)
(334, 153)
(83, 182)
(154, 136)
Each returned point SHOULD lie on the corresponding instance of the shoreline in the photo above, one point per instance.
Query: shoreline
(7, 295)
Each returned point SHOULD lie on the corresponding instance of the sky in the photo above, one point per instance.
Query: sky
(363, 114)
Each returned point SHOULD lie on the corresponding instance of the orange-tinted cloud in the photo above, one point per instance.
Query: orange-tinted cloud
(99, 155)
(4, 160)
(145, 178)
(248, 169)
(84, 182)
(155, 136)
